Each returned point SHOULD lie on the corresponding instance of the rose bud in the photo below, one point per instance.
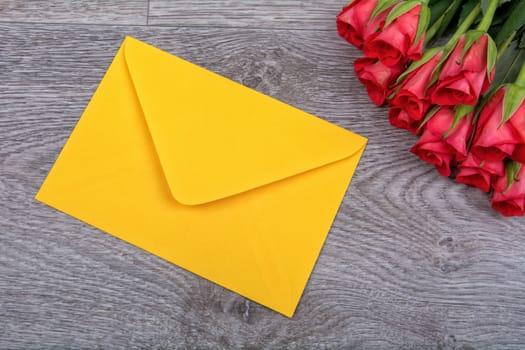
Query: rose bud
(477, 173)
(464, 77)
(401, 38)
(442, 143)
(401, 119)
(410, 103)
(376, 77)
(509, 196)
(354, 22)
(498, 136)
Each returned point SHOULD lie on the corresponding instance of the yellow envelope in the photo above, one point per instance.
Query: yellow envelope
(210, 175)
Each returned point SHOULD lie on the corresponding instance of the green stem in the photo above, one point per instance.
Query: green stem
(432, 31)
(504, 45)
(467, 22)
(520, 80)
(486, 21)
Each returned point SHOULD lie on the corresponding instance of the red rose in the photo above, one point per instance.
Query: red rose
(401, 119)
(394, 44)
(494, 141)
(354, 23)
(519, 153)
(463, 80)
(441, 151)
(477, 173)
(376, 77)
(510, 202)
(411, 103)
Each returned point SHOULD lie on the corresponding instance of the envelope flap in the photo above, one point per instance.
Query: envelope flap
(216, 138)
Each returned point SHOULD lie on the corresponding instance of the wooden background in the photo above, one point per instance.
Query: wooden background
(414, 261)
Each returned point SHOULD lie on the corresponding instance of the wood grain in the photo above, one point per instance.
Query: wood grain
(75, 11)
(413, 261)
(290, 14)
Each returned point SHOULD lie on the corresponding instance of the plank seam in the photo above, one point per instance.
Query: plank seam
(4, 22)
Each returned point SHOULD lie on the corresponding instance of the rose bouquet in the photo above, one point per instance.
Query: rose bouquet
(452, 72)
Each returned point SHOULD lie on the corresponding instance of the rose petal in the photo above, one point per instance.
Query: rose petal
(401, 119)
(475, 177)
(519, 153)
(353, 20)
(453, 91)
(492, 141)
(508, 206)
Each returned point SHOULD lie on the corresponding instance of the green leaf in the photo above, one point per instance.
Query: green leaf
(381, 6)
(501, 15)
(513, 23)
(470, 38)
(513, 99)
(439, 8)
(522, 42)
(503, 47)
(494, 30)
(424, 20)
(461, 112)
(450, 14)
(399, 10)
(509, 65)
(492, 53)
(512, 169)
(427, 56)
(441, 16)
(467, 9)
(429, 116)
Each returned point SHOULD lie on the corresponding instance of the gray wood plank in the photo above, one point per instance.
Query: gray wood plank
(75, 11)
(413, 260)
(296, 14)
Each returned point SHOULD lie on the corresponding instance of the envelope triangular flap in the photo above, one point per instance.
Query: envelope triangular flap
(216, 138)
